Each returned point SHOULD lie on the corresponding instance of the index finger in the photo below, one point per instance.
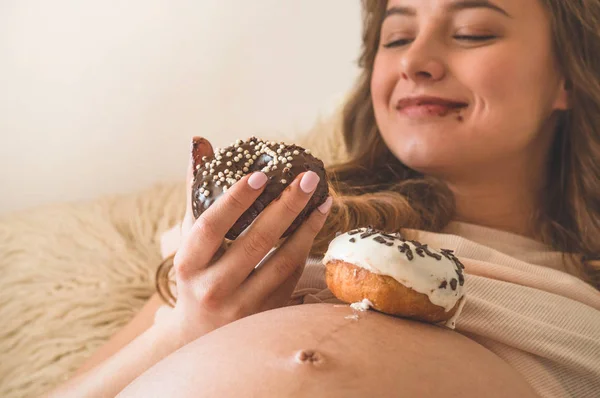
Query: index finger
(209, 230)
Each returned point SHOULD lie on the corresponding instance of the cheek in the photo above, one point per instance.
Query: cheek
(492, 77)
(382, 82)
(511, 96)
(511, 79)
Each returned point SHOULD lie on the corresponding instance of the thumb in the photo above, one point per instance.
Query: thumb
(201, 152)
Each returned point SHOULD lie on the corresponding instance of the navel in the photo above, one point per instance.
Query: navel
(309, 357)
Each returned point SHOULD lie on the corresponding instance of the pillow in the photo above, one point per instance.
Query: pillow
(71, 275)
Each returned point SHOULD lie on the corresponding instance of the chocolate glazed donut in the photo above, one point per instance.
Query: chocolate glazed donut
(282, 163)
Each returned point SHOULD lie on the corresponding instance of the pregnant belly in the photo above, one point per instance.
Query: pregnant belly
(322, 350)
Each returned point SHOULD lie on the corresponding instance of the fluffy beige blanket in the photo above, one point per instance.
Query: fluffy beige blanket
(73, 274)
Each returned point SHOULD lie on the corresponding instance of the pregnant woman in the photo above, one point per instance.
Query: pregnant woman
(475, 127)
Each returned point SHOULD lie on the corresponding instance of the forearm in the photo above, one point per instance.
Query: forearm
(138, 325)
(114, 374)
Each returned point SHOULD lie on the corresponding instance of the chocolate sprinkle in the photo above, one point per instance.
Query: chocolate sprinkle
(405, 248)
(352, 240)
(430, 254)
(444, 285)
(453, 283)
(367, 234)
(380, 239)
(421, 248)
(393, 237)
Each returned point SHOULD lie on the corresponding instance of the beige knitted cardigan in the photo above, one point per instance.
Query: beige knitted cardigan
(521, 304)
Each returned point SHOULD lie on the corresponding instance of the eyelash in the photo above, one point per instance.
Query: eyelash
(403, 42)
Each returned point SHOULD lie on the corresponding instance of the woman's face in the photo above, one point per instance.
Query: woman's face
(461, 86)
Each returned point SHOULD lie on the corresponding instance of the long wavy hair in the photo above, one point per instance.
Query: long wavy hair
(372, 187)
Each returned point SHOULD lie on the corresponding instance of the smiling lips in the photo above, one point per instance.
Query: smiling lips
(420, 107)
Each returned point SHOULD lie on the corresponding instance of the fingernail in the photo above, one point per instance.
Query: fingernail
(309, 182)
(257, 180)
(325, 207)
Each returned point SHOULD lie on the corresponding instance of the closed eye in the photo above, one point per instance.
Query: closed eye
(474, 38)
(467, 38)
(397, 43)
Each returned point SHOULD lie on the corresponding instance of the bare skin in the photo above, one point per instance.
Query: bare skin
(215, 291)
(499, 62)
(493, 59)
(314, 350)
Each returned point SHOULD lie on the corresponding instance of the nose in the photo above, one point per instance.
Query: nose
(421, 62)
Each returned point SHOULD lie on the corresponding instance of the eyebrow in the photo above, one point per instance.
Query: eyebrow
(453, 7)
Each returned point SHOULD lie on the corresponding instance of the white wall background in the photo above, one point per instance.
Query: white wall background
(102, 96)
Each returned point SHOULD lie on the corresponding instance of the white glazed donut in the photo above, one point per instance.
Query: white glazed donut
(398, 276)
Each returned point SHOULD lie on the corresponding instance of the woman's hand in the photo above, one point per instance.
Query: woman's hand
(215, 288)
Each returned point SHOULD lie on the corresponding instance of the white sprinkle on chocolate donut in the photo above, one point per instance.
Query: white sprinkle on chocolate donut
(245, 157)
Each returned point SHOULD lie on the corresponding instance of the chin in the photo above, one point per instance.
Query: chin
(425, 155)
